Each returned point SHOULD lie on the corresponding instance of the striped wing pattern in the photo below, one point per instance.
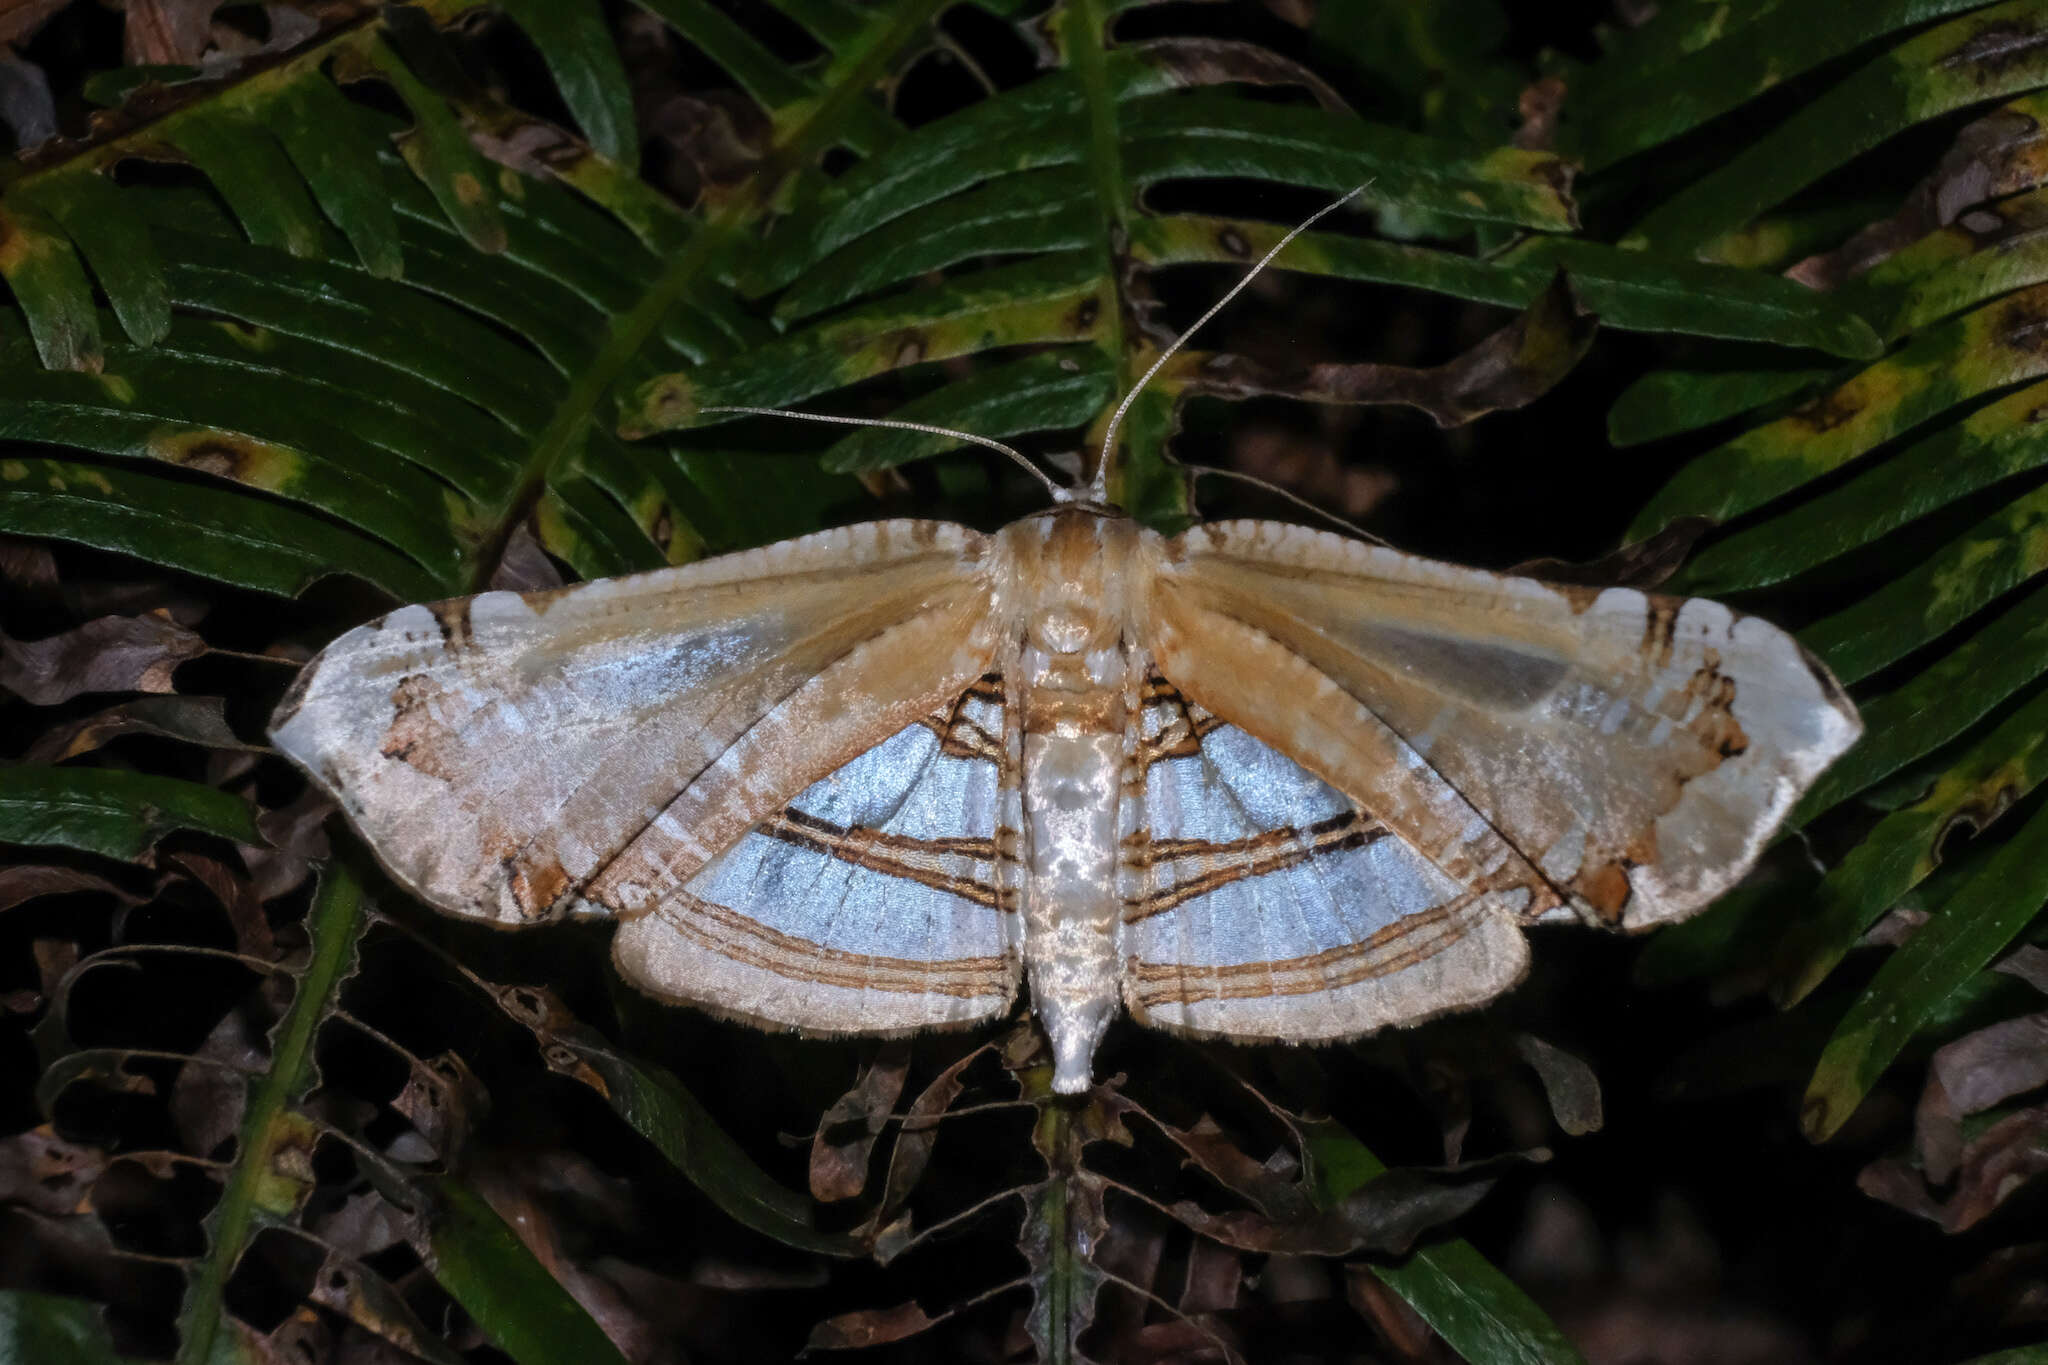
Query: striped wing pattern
(883, 899)
(1261, 903)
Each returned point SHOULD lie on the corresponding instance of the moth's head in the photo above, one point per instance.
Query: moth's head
(1071, 567)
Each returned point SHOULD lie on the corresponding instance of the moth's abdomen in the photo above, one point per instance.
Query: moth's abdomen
(1073, 711)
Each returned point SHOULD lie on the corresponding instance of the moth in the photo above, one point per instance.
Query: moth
(1254, 781)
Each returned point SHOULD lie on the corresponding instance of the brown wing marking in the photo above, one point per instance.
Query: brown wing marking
(1215, 864)
(1395, 948)
(1180, 736)
(901, 855)
(744, 940)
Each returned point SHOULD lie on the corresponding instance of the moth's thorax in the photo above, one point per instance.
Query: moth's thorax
(1069, 575)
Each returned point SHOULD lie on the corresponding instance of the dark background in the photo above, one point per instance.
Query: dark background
(1697, 1225)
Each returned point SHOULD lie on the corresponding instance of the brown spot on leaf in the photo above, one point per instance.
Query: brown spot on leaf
(1233, 243)
(1085, 314)
(2023, 323)
(1558, 174)
(665, 403)
(1996, 49)
(1828, 411)
(1975, 815)
(1999, 154)
(225, 455)
(910, 349)
(213, 457)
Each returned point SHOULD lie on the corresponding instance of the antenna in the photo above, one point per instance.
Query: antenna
(1059, 491)
(1199, 470)
(1098, 488)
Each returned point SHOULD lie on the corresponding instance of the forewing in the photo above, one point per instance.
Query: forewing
(883, 899)
(1636, 751)
(1262, 903)
(502, 752)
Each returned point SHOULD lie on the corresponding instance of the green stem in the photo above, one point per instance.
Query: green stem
(1081, 34)
(333, 923)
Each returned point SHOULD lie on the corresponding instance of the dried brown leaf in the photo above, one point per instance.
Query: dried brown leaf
(43, 1172)
(1970, 1075)
(55, 957)
(110, 654)
(870, 1327)
(845, 1140)
(1129, 1253)
(1399, 1325)
(27, 567)
(717, 139)
(545, 1200)
(2028, 963)
(298, 840)
(19, 19)
(1220, 61)
(366, 1299)
(28, 107)
(364, 1225)
(166, 32)
(1539, 105)
(443, 1100)
(1644, 564)
(306, 1337)
(192, 720)
(24, 882)
(1214, 1280)
(1899, 924)
(1996, 155)
(207, 1101)
(1569, 1084)
(237, 895)
(1509, 369)
(525, 566)
(1991, 1169)
(1273, 1185)
(1385, 1215)
(715, 1272)
(920, 1134)
(1177, 1343)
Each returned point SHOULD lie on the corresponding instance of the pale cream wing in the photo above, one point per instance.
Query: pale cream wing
(1627, 752)
(881, 900)
(1259, 902)
(511, 756)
